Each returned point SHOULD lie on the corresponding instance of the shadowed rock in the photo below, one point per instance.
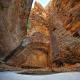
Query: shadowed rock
(13, 18)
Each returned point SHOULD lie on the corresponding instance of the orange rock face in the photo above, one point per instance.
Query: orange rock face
(38, 19)
(51, 37)
(68, 12)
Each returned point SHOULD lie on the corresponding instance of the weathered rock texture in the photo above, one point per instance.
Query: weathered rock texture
(51, 42)
(53, 20)
(68, 11)
(34, 55)
(13, 19)
(38, 26)
(64, 17)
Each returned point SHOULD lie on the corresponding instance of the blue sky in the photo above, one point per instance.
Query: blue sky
(42, 2)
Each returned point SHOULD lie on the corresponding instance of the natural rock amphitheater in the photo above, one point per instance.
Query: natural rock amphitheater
(40, 39)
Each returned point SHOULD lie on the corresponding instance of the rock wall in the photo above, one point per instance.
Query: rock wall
(13, 19)
(38, 28)
(68, 11)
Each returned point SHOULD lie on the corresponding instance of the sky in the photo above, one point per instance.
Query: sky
(42, 2)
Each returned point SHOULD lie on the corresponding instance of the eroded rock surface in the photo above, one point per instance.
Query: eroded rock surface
(12, 27)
